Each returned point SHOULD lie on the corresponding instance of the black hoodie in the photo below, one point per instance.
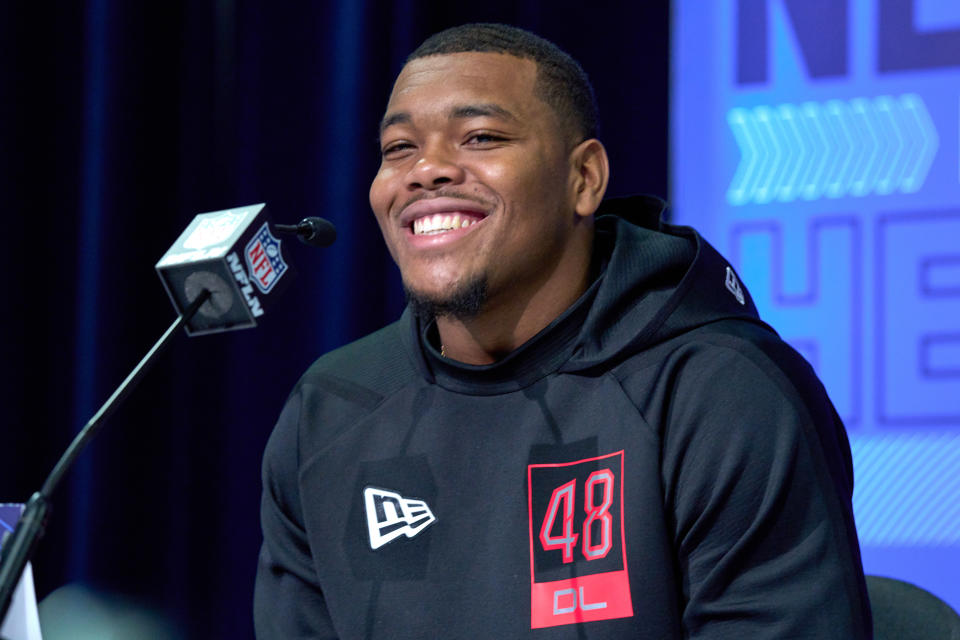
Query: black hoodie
(656, 463)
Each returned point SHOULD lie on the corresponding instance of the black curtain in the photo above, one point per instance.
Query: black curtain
(119, 121)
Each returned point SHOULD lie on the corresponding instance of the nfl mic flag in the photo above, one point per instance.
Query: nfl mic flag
(233, 254)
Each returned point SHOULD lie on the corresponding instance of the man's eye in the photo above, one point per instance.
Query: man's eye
(484, 138)
(395, 148)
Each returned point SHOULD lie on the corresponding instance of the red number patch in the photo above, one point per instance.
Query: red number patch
(576, 518)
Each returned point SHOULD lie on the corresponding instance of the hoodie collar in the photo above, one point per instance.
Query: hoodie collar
(538, 357)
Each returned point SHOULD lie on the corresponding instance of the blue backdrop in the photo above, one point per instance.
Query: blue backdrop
(815, 143)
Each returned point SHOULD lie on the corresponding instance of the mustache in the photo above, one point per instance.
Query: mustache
(445, 193)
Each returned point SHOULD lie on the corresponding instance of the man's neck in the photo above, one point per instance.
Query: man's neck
(501, 328)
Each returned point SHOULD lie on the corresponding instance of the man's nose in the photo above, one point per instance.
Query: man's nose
(435, 168)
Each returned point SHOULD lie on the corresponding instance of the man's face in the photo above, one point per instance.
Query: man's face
(475, 183)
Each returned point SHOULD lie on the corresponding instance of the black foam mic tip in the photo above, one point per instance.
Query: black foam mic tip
(316, 232)
(312, 231)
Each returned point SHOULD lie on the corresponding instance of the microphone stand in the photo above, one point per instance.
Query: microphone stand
(20, 545)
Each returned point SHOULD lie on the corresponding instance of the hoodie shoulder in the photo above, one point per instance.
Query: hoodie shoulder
(365, 371)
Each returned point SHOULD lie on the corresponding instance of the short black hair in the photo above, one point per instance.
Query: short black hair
(561, 82)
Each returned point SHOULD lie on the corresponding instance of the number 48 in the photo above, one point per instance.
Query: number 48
(561, 505)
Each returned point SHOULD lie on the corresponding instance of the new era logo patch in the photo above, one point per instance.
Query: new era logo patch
(390, 515)
(733, 286)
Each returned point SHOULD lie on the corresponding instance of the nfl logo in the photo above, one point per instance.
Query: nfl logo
(264, 259)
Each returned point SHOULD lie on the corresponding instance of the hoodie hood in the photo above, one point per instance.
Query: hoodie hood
(656, 281)
(660, 281)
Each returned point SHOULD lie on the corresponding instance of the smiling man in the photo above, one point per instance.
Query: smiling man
(486, 197)
(579, 428)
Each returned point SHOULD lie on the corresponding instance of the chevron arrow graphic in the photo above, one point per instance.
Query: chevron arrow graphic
(834, 149)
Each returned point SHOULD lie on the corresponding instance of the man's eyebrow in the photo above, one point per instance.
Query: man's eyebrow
(397, 117)
(478, 110)
(482, 109)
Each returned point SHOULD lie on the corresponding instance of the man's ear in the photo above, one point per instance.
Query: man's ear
(590, 171)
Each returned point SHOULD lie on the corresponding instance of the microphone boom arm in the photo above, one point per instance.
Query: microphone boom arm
(20, 545)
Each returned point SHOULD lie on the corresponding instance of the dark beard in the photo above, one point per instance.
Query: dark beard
(466, 302)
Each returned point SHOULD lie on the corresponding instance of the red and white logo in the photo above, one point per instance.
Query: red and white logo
(578, 557)
(264, 259)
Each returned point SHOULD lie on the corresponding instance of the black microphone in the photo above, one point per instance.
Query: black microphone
(312, 231)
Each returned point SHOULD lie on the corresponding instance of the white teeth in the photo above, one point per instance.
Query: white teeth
(440, 223)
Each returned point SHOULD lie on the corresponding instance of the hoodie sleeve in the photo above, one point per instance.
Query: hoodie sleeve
(758, 484)
(288, 601)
